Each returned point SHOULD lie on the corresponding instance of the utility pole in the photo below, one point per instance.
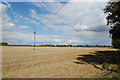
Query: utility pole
(34, 40)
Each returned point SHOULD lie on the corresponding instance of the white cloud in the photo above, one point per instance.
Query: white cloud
(0, 22)
(72, 14)
(57, 40)
(24, 27)
(79, 27)
(59, 0)
(77, 17)
(80, 23)
(28, 37)
(7, 23)
(19, 17)
(83, 37)
(8, 26)
(48, 6)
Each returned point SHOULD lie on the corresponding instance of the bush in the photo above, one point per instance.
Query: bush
(116, 43)
(3, 44)
(105, 66)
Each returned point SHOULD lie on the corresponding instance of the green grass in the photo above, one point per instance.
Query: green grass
(109, 71)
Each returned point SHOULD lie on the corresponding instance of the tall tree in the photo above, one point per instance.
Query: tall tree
(112, 10)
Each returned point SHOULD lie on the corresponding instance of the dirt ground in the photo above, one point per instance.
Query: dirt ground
(47, 62)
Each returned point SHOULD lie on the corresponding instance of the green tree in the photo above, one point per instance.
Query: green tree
(113, 19)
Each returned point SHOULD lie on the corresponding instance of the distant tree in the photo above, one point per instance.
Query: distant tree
(113, 19)
(3, 43)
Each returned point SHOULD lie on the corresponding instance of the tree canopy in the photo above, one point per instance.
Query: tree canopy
(112, 10)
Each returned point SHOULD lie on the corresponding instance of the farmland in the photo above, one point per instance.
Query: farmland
(48, 62)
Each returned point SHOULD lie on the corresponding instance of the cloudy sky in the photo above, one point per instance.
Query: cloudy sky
(54, 23)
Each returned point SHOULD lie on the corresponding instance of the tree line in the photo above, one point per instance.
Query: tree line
(50, 45)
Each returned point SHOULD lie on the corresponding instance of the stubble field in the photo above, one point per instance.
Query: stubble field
(48, 62)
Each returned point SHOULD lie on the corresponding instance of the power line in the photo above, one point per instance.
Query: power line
(56, 13)
(47, 23)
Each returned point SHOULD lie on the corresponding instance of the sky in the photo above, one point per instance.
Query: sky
(76, 23)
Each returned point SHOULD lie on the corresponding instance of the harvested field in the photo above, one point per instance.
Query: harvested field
(47, 62)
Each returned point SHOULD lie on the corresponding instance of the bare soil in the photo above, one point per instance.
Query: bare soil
(47, 62)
